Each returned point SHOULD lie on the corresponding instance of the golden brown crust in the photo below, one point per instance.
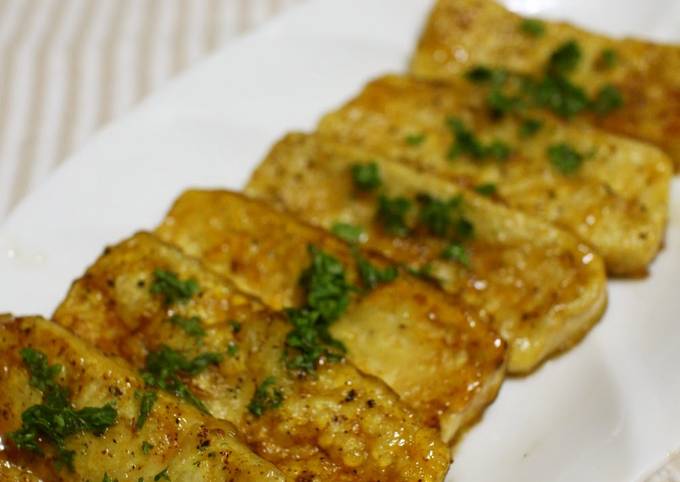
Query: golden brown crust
(436, 356)
(616, 202)
(537, 285)
(175, 429)
(316, 434)
(464, 33)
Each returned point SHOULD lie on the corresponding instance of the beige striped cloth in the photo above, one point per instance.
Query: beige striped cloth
(67, 67)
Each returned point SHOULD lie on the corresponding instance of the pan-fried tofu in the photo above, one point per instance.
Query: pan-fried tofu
(616, 201)
(432, 351)
(144, 297)
(538, 286)
(175, 438)
(462, 34)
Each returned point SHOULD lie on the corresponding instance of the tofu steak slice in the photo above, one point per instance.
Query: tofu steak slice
(616, 200)
(334, 424)
(462, 34)
(538, 286)
(176, 438)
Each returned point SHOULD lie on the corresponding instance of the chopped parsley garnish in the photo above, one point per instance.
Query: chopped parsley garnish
(559, 95)
(366, 177)
(235, 326)
(55, 419)
(371, 275)
(326, 299)
(529, 127)
(513, 93)
(437, 215)
(487, 189)
(326, 287)
(232, 349)
(414, 139)
(565, 58)
(500, 103)
(482, 74)
(498, 150)
(607, 99)
(532, 27)
(146, 402)
(310, 340)
(444, 219)
(424, 272)
(266, 397)
(564, 158)
(146, 447)
(165, 366)
(608, 59)
(162, 475)
(106, 478)
(466, 143)
(456, 252)
(392, 214)
(171, 288)
(192, 326)
(347, 232)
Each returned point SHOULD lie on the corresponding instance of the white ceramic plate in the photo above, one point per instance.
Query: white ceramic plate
(609, 410)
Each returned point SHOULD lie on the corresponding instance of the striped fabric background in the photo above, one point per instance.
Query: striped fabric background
(68, 67)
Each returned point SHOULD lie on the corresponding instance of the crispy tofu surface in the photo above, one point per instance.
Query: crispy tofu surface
(537, 285)
(189, 444)
(461, 34)
(335, 424)
(427, 346)
(617, 201)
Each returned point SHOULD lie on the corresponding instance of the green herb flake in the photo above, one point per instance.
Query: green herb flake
(415, 139)
(456, 252)
(146, 447)
(438, 216)
(532, 27)
(560, 96)
(235, 326)
(498, 150)
(366, 176)
(191, 326)
(465, 142)
(165, 366)
(310, 340)
(565, 58)
(162, 475)
(501, 104)
(347, 232)
(487, 189)
(392, 214)
(55, 419)
(327, 295)
(564, 158)
(171, 288)
(326, 287)
(106, 478)
(607, 100)
(424, 272)
(529, 128)
(232, 349)
(266, 397)
(146, 402)
(607, 59)
(371, 275)
(482, 75)
(444, 219)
